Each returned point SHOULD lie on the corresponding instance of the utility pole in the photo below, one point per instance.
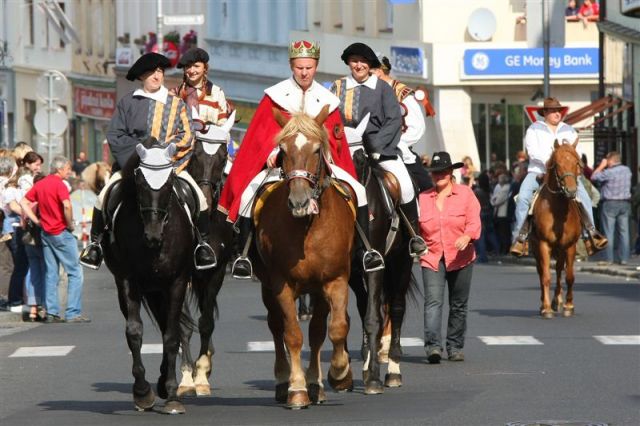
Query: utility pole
(545, 45)
(159, 35)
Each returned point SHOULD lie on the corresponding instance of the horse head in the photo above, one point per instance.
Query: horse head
(304, 144)
(209, 157)
(356, 146)
(564, 167)
(154, 178)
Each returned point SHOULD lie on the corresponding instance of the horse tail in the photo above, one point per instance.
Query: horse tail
(153, 305)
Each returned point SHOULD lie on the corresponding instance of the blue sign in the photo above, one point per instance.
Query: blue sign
(527, 63)
(408, 61)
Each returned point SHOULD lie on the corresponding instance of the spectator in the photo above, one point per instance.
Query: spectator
(80, 164)
(59, 246)
(468, 171)
(20, 150)
(615, 189)
(500, 203)
(586, 170)
(520, 166)
(449, 222)
(571, 10)
(590, 10)
(488, 235)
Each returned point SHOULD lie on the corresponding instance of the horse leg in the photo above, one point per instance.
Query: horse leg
(557, 302)
(357, 284)
(385, 338)
(340, 375)
(281, 368)
(397, 307)
(317, 334)
(372, 326)
(543, 265)
(129, 300)
(187, 387)
(570, 279)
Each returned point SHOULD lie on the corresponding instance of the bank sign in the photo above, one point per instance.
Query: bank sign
(567, 62)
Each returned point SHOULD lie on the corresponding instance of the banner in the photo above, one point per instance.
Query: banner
(94, 102)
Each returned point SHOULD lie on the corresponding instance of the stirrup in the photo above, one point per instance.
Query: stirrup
(86, 261)
(213, 264)
(418, 239)
(374, 253)
(240, 262)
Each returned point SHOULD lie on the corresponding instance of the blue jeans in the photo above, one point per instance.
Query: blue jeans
(62, 249)
(36, 276)
(487, 237)
(20, 268)
(528, 187)
(614, 218)
(459, 284)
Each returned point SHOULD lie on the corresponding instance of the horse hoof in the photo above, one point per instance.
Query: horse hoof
(343, 385)
(145, 402)
(173, 407)
(203, 390)
(316, 393)
(298, 399)
(393, 380)
(374, 387)
(282, 392)
(568, 312)
(547, 314)
(186, 391)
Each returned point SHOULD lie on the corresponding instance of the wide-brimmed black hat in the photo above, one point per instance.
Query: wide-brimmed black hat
(442, 161)
(147, 62)
(193, 55)
(361, 49)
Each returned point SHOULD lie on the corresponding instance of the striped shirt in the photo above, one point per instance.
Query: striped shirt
(615, 182)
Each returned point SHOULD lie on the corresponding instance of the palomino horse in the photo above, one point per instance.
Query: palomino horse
(96, 175)
(150, 257)
(304, 233)
(388, 287)
(206, 167)
(557, 227)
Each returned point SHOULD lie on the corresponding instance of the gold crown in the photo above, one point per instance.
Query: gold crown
(304, 49)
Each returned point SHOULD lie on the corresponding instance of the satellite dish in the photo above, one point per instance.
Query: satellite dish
(52, 121)
(482, 24)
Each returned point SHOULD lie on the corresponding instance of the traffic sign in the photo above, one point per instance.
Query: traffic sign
(52, 85)
(183, 19)
(50, 122)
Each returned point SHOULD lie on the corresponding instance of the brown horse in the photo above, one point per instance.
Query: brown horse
(304, 234)
(557, 227)
(96, 175)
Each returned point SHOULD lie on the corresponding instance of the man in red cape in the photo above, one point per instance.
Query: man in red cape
(299, 93)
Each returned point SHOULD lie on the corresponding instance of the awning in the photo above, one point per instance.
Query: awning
(608, 102)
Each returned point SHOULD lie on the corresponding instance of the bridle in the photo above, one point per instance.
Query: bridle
(214, 185)
(162, 213)
(313, 179)
(560, 180)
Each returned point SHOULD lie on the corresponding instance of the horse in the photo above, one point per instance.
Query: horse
(388, 287)
(150, 256)
(206, 167)
(96, 175)
(304, 232)
(557, 227)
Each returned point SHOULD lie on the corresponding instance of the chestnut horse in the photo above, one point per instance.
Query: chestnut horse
(304, 234)
(96, 175)
(557, 227)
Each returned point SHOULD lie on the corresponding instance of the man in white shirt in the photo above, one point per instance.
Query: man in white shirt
(539, 143)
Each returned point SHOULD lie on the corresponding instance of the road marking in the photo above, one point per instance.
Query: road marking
(411, 341)
(265, 346)
(618, 340)
(41, 351)
(151, 348)
(510, 340)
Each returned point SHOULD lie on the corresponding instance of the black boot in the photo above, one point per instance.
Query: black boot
(91, 256)
(372, 260)
(242, 268)
(203, 256)
(417, 246)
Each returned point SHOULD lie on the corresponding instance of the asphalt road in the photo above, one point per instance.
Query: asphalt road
(559, 369)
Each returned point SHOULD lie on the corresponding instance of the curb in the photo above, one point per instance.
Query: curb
(10, 317)
(617, 270)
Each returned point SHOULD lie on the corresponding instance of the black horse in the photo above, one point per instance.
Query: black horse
(206, 166)
(388, 287)
(150, 257)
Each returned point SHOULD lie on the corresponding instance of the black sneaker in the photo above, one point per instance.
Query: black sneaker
(434, 356)
(54, 319)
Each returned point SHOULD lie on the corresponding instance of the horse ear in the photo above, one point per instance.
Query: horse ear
(322, 116)
(230, 122)
(555, 144)
(142, 151)
(280, 117)
(363, 124)
(170, 151)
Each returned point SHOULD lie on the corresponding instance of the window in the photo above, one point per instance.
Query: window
(385, 16)
(30, 18)
(61, 4)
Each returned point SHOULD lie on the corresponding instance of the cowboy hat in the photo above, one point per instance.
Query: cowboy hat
(442, 161)
(552, 104)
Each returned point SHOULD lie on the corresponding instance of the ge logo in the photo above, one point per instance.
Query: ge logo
(480, 61)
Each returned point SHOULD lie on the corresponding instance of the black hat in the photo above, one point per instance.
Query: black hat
(442, 161)
(147, 62)
(361, 49)
(193, 55)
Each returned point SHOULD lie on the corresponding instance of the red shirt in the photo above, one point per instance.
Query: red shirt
(258, 144)
(589, 10)
(460, 216)
(49, 193)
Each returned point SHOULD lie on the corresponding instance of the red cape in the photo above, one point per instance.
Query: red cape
(258, 144)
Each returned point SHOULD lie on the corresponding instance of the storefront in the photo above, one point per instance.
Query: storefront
(7, 109)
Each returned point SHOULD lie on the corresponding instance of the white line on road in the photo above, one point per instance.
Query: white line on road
(41, 351)
(510, 340)
(618, 340)
(411, 341)
(151, 348)
(266, 346)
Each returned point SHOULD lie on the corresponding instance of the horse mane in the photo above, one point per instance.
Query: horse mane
(563, 147)
(302, 123)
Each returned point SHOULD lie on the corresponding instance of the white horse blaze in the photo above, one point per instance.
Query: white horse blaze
(301, 141)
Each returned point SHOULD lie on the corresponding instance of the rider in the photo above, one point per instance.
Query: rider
(359, 94)
(413, 124)
(149, 111)
(299, 93)
(539, 141)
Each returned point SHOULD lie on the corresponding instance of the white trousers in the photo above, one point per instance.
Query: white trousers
(183, 174)
(273, 175)
(399, 170)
